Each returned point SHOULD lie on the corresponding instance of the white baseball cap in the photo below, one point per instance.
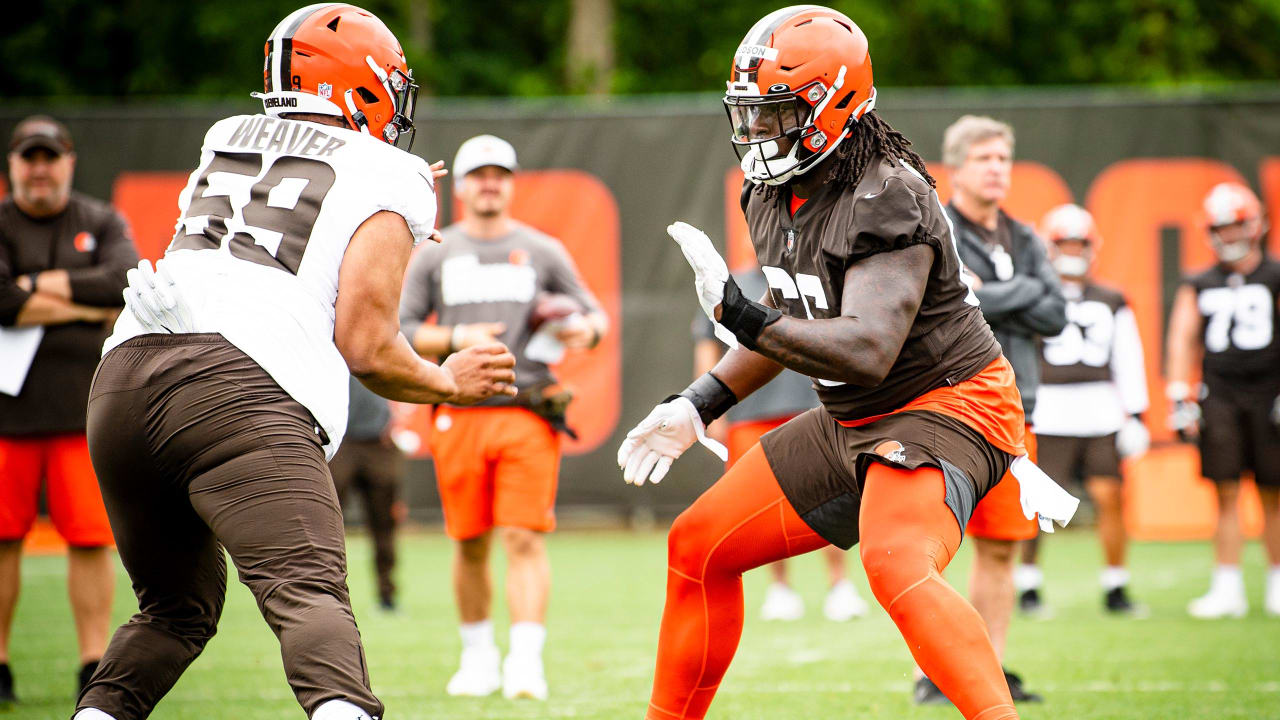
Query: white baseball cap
(480, 151)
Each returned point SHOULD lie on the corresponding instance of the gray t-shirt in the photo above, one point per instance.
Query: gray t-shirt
(466, 280)
(788, 394)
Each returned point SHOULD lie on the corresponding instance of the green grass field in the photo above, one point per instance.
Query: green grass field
(603, 631)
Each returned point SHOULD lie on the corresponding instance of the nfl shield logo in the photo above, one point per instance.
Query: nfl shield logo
(789, 234)
(325, 90)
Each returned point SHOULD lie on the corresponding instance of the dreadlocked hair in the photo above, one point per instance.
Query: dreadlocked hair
(870, 136)
(873, 136)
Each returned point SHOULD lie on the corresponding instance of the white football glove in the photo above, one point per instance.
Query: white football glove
(155, 300)
(710, 273)
(1133, 440)
(668, 430)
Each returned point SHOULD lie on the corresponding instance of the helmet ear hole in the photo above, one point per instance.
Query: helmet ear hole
(366, 95)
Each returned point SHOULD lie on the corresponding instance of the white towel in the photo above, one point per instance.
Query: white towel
(1041, 496)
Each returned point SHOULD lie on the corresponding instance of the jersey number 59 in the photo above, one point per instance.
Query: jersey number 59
(273, 227)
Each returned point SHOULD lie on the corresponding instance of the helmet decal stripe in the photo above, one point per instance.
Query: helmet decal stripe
(281, 74)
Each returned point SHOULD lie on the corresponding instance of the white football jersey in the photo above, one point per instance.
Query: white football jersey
(264, 223)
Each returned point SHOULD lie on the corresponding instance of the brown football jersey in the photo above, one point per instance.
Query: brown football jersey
(805, 259)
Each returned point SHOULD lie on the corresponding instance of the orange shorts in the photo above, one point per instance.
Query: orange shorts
(998, 515)
(742, 435)
(495, 466)
(62, 463)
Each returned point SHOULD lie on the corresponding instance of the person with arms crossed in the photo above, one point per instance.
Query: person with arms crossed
(1021, 300)
(497, 465)
(773, 406)
(919, 416)
(63, 258)
(1226, 317)
(223, 390)
(1093, 391)
(370, 464)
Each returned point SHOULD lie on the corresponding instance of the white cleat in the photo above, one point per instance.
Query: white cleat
(523, 677)
(478, 674)
(843, 603)
(781, 603)
(1219, 604)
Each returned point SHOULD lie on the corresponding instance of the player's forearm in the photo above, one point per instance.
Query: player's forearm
(44, 309)
(1183, 343)
(394, 371)
(839, 349)
(744, 371)
(57, 283)
(433, 340)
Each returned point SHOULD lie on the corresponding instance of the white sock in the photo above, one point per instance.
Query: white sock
(91, 714)
(1228, 578)
(477, 634)
(334, 710)
(1028, 577)
(1273, 578)
(527, 639)
(1113, 576)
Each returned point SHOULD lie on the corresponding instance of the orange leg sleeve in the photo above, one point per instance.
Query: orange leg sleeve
(908, 537)
(742, 522)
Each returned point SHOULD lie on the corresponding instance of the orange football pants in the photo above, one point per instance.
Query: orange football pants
(998, 515)
(495, 466)
(745, 521)
(75, 502)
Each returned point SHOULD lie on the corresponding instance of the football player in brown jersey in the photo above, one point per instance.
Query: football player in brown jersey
(920, 414)
(1226, 316)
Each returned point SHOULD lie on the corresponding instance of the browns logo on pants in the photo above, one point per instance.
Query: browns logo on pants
(495, 466)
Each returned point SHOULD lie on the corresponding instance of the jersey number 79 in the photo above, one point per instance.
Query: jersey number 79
(273, 227)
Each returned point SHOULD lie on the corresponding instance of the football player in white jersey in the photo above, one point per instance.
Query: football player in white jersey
(1093, 389)
(223, 392)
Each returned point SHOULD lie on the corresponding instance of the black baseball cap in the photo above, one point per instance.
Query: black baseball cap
(41, 131)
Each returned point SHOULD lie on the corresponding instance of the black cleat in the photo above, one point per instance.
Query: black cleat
(1117, 602)
(6, 686)
(928, 694)
(86, 673)
(1029, 602)
(1016, 690)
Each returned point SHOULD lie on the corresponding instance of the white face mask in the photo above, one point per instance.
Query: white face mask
(1071, 265)
(1231, 252)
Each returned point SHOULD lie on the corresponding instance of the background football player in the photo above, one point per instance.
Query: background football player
(498, 465)
(1021, 301)
(1227, 315)
(224, 388)
(1093, 390)
(865, 293)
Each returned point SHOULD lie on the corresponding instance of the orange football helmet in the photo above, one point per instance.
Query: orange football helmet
(1070, 222)
(1233, 216)
(337, 59)
(802, 75)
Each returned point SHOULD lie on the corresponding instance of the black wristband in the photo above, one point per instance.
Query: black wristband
(33, 277)
(745, 318)
(710, 397)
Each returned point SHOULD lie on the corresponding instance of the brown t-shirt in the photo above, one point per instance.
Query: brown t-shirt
(890, 209)
(91, 241)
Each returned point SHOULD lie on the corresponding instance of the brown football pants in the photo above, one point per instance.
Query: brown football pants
(196, 449)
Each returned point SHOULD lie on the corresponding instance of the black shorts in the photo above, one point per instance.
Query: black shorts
(1072, 459)
(821, 465)
(1237, 432)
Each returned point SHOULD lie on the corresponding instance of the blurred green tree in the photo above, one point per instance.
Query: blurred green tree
(126, 48)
